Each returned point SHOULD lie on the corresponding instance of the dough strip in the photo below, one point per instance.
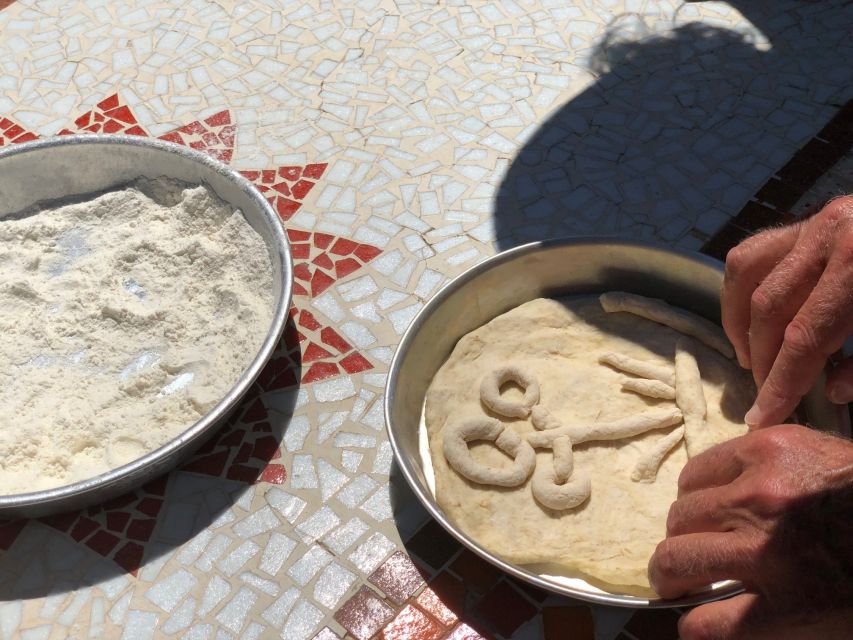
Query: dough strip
(662, 313)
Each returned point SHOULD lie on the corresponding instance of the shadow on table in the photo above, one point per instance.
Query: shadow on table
(679, 127)
(132, 532)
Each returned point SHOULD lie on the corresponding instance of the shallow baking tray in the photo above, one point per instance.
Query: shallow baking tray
(60, 168)
(551, 269)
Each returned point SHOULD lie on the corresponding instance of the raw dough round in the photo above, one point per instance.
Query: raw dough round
(608, 538)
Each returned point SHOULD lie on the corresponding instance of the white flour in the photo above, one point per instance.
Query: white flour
(124, 319)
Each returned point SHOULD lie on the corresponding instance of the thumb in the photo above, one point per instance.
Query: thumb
(839, 382)
(721, 620)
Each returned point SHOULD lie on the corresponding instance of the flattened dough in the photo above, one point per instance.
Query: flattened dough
(609, 538)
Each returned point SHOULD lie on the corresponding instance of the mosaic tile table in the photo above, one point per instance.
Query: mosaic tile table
(400, 142)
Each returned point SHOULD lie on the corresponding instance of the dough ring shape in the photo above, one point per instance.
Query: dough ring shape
(554, 483)
(455, 445)
(490, 391)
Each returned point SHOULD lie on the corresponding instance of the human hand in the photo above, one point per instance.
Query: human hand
(787, 304)
(773, 509)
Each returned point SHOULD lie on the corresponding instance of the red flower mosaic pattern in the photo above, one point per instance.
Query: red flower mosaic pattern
(322, 349)
(214, 136)
(119, 528)
(321, 259)
(108, 116)
(286, 186)
(244, 449)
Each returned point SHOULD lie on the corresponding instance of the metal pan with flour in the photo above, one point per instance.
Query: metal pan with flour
(67, 169)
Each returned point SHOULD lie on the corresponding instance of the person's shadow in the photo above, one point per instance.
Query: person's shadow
(679, 130)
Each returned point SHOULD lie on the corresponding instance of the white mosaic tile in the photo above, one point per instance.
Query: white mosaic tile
(140, 625)
(346, 535)
(233, 615)
(256, 523)
(181, 617)
(304, 569)
(234, 561)
(287, 504)
(370, 554)
(321, 522)
(277, 612)
(302, 622)
(167, 593)
(215, 592)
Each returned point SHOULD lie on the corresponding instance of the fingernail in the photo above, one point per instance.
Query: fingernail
(742, 360)
(754, 416)
(841, 392)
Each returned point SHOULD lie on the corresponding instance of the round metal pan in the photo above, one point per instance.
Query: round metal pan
(61, 168)
(550, 269)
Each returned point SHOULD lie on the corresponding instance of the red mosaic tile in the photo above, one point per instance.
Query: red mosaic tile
(13, 133)
(244, 453)
(364, 614)
(573, 622)
(505, 609)
(321, 371)
(397, 577)
(61, 521)
(314, 352)
(464, 632)
(110, 115)
(117, 521)
(213, 136)
(129, 557)
(243, 450)
(108, 103)
(535, 593)
(319, 265)
(149, 506)
(412, 624)
(211, 465)
(475, 572)
(432, 544)
(356, 363)
(120, 501)
(314, 171)
(102, 542)
(291, 173)
(285, 187)
(157, 486)
(444, 598)
(323, 350)
(83, 528)
(274, 474)
(141, 529)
